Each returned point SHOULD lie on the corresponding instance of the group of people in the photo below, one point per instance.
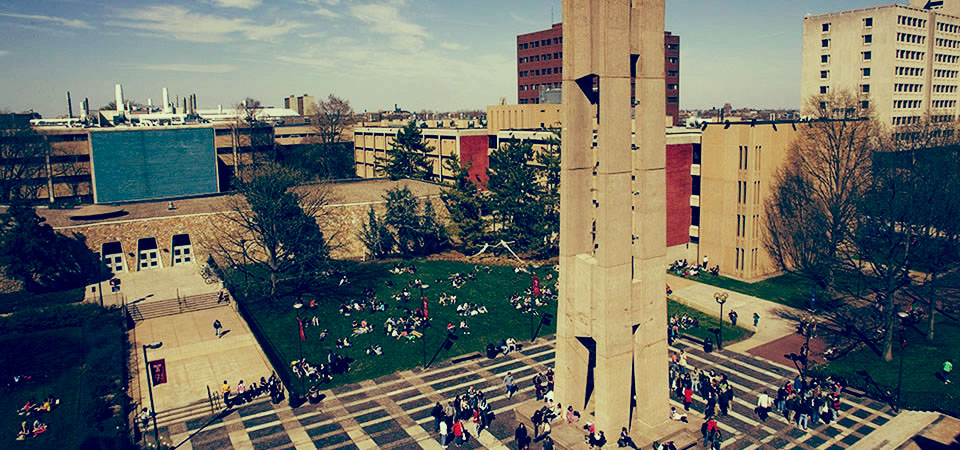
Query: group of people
(683, 269)
(711, 386)
(33, 425)
(243, 393)
(465, 416)
(804, 401)
(323, 372)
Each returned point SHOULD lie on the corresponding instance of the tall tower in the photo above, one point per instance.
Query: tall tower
(612, 324)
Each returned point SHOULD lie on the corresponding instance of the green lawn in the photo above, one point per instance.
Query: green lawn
(730, 334)
(16, 301)
(787, 289)
(279, 321)
(921, 363)
(77, 364)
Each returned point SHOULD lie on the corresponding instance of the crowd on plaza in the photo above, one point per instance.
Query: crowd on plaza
(464, 417)
(33, 424)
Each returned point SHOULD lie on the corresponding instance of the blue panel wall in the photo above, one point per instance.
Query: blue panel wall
(132, 165)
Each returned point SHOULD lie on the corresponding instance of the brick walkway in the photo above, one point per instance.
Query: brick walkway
(394, 411)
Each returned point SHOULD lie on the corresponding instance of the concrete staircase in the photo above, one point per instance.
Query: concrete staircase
(160, 308)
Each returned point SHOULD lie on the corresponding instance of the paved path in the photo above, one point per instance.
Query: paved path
(195, 358)
(394, 411)
(776, 320)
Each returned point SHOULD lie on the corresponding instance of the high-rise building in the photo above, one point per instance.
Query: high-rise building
(903, 61)
(303, 105)
(540, 65)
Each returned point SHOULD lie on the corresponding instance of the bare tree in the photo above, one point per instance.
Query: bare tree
(274, 229)
(252, 134)
(334, 116)
(23, 160)
(817, 191)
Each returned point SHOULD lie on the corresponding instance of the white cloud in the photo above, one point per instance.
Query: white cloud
(314, 35)
(453, 46)
(178, 23)
(193, 68)
(244, 4)
(385, 18)
(324, 12)
(72, 23)
(4, 52)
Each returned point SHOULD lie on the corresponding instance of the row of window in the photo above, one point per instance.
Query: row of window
(907, 87)
(906, 120)
(948, 27)
(906, 104)
(538, 72)
(742, 197)
(911, 38)
(537, 87)
(941, 73)
(944, 103)
(864, 104)
(741, 259)
(944, 89)
(744, 158)
(867, 22)
(947, 58)
(910, 71)
(911, 54)
(948, 43)
(540, 43)
(543, 57)
(911, 21)
(943, 118)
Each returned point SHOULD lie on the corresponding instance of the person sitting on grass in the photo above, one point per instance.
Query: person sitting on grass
(464, 328)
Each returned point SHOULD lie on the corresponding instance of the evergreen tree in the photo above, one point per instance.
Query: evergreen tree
(517, 196)
(407, 157)
(376, 236)
(433, 236)
(465, 205)
(402, 216)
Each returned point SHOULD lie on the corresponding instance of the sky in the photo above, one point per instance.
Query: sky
(441, 55)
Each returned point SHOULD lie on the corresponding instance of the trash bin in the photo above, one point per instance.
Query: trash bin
(707, 346)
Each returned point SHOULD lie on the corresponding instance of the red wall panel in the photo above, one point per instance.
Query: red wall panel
(473, 150)
(679, 159)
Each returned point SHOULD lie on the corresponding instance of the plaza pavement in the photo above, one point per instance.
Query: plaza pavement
(153, 285)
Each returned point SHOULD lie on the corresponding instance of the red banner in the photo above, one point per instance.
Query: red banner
(536, 285)
(303, 337)
(158, 371)
(426, 314)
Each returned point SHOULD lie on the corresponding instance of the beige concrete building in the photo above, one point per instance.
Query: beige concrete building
(522, 117)
(737, 167)
(371, 144)
(904, 61)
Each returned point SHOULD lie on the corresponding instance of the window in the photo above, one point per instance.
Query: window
(823, 89)
(824, 74)
(824, 59)
(865, 104)
(672, 73)
(865, 88)
(825, 43)
(672, 100)
(867, 56)
(866, 72)
(867, 38)
(826, 27)
(868, 22)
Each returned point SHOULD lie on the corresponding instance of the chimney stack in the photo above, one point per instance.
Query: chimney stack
(69, 106)
(85, 109)
(166, 102)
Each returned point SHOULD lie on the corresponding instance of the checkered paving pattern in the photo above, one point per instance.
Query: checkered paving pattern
(394, 411)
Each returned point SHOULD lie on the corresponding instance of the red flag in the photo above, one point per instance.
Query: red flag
(426, 314)
(303, 337)
(536, 286)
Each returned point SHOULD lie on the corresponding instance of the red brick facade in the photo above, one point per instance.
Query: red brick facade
(679, 159)
(540, 66)
(473, 149)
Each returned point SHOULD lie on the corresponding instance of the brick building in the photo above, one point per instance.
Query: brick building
(540, 64)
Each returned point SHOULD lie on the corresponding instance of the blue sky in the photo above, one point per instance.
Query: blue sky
(420, 54)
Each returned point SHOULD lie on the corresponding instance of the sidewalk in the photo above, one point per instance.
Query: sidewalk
(776, 320)
(155, 284)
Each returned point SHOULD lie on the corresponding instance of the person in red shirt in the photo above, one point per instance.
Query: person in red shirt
(687, 398)
(458, 432)
(711, 429)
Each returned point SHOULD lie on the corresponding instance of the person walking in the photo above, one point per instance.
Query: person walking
(521, 436)
(217, 327)
(733, 317)
(510, 383)
(443, 433)
(437, 414)
(763, 406)
(756, 320)
(947, 368)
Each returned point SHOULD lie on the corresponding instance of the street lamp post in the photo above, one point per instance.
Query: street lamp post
(153, 409)
(721, 298)
(297, 306)
(243, 244)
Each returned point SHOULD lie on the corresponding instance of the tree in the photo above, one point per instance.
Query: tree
(253, 133)
(402, 217)
(42, 259)
(376, 237)
(465, 205)
(817, 191)
(333, 117)
(23, 153)
(271, 230)
(516, 196)
(407, 157)
(433, 234)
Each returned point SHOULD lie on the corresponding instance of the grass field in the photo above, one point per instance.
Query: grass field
(81, 365)
(730, 334)
(19, 300)
(492, 288)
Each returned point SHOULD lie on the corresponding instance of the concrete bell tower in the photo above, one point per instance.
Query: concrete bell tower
(612, 320)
